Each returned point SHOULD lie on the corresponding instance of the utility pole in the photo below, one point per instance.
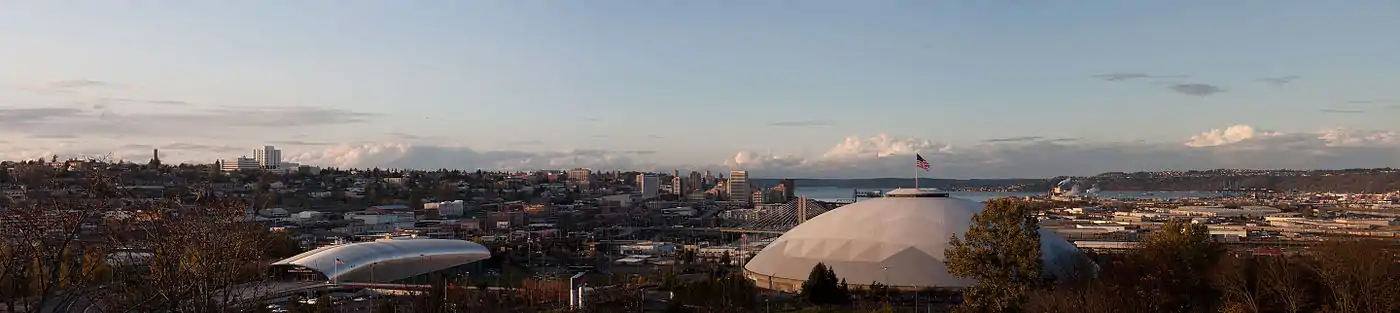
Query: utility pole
(371, 280)
(886, 270)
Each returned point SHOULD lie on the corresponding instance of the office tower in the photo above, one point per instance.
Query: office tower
(649, 184)
(789, 189)
(677, 183)
(268, 157)
(696, 183)
(739, 186)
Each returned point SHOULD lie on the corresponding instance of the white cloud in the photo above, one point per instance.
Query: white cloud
(1238, 146)
(1229, 135)
(881, 145)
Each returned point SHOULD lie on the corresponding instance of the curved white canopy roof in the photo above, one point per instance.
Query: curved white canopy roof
(897, 241)
(388, 260)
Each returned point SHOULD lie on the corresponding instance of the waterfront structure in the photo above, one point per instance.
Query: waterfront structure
(268, 157)
(738, 185)
(897, 241)
(382, 261)
(648, 184)
(238, 164)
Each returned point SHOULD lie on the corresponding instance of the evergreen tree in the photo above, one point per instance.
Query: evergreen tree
(415, 199)
(1173, 261)
(386, 307)
(1001, 250)
(323, 304)
(822, 287)
(281, 245)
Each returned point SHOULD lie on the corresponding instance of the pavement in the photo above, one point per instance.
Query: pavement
(66, 304)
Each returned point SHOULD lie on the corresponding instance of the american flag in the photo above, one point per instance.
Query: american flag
(920, 162)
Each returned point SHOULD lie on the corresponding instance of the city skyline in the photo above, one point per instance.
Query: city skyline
(820, 89)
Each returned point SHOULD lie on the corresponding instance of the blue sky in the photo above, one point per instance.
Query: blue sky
(698, 81)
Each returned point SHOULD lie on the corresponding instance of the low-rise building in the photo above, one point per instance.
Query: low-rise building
(452, 208)
(1220, 211)
(649, 248)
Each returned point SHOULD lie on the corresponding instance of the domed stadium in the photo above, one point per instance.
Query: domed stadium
(897, 240)
(380, 261)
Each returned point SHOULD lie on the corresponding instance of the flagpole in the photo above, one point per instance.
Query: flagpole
(916, 172)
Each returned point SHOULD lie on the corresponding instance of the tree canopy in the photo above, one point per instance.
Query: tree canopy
(823, 288)
(1001, 250)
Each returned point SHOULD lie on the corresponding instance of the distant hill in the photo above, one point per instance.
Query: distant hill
(1377, 180)
(1356, 180)
(890, 183)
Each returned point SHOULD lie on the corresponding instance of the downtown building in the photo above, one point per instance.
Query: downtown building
(738, 186)
(649, 184)
(238, 164)
(266, 158)
(678, 183)
(696, 183)
(581, 178)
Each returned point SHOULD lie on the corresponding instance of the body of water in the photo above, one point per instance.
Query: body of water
(834, 193)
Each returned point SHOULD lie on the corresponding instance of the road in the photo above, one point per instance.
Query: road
(69, 304)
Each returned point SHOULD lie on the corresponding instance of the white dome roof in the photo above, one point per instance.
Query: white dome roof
(906, 233)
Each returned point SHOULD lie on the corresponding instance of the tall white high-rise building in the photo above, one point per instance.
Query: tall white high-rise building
(738, 185)
(268, 157)
(649, 184)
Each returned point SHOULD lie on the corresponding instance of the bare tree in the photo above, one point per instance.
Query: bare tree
(201, 257)
(1238, 280)
(50, 262)
(1359, 275)
(82, 241)
(1286, 282)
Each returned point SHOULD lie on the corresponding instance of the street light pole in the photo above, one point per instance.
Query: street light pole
(371, 280)
(886, 270)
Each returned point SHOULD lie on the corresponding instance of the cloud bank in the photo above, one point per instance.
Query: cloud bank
(1238, 146)
(130, 127)
(882, 155)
